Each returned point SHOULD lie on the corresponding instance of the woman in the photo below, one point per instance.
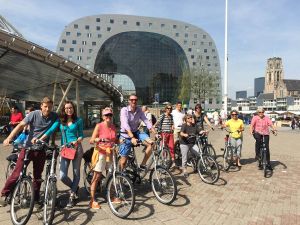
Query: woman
(200, 117)
(187, 129)
(72, 133)
(104, 136)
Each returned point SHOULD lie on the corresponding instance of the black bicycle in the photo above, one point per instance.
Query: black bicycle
(22, 198)
(206, 147)
(115, 184)
(12, 160)
(162, 181)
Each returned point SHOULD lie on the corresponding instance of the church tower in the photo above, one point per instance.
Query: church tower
(274, 76)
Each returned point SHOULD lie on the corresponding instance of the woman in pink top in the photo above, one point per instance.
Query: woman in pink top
(104, 136)
(260, 126)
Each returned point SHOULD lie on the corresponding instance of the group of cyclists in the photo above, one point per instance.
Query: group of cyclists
(172, 125)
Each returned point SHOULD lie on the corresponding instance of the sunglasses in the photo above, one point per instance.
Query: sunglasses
(260, 112)
(198, 108)
(109, 115)
(168, 108)
(234, 114)
(133, 99)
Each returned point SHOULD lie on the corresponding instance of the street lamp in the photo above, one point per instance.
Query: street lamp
(225, 62)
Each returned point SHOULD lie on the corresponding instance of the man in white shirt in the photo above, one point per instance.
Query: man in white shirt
(149, 117)
(178, 116)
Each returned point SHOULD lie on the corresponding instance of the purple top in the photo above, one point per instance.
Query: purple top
(131, 120)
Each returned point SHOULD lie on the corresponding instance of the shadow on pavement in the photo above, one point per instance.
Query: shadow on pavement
(221, 182)
(71, 215)
(248, 161)
(277, 164)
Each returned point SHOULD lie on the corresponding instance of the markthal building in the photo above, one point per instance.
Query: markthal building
(141, 55)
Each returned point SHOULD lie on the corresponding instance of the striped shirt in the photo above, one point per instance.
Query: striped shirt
(165, 123)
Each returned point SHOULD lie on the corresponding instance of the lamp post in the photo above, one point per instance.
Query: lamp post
(225, 62)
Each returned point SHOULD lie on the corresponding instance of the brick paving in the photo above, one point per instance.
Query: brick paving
(241, 197)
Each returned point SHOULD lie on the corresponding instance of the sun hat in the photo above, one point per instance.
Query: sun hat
(106, 111)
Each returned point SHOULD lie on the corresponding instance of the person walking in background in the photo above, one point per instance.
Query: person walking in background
(166, 127)
(149, 117)
(15, 118)
(104, 136)
(260, 126)
(178, 116)
(236, 127)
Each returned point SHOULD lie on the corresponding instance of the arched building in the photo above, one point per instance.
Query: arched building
(151, 53)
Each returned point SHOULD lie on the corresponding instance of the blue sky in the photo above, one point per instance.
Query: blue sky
(257, 29)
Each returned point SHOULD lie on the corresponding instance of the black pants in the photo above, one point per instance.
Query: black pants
(258, 138)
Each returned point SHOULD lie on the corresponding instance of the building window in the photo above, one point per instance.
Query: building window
(79, 58)
(207, 57)
(204, 36)
(108, 29)
(89, 35)
(190, 49)
(98, 20)
(192, 56)
(215, 57)
(210, 101)
(74, 42)
(138, 23)
(68, 33)
(150, 24)
(83, 42)
(194, 63)
(193, 42)
(124, 22)
(111, 21)
(213, 50)
(208, 64)
(75, 26)
(186, 27)
(174, 26)
(186, 35)
(88, 58)
(87, 27)
(210, 43)
(64, 41)
(99, 35)
(97, 27)
(61, 49)
(93, 43)
(78, 34)
(177, 34)
(202, 43)
(195, 35)
(216, 64)
(162, 25)
(185, 42)
(90, 50)
(81, 50)
(71, 49)
(205, 50)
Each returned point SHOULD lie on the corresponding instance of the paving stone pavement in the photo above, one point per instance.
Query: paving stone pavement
(241, 197)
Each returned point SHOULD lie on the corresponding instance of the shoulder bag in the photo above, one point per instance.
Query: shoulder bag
(67, 152)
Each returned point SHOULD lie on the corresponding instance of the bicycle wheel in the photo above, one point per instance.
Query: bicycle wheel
(264, 163)
(208, 149)
(208, 169)
(163, 185)
(177, 152)
(22, 202)
(10, 167)
(49, 201)
(227, 158)
(87, 177)
(164, 158)
(120, 195)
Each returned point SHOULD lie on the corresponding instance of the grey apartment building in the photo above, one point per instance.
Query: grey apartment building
(144, 55)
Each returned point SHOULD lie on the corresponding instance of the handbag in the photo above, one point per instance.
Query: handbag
(67, 152)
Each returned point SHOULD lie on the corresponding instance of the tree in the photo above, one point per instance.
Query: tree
(185, 85)
(205, 84)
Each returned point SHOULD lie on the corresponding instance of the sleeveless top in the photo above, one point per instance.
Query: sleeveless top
(105, 132)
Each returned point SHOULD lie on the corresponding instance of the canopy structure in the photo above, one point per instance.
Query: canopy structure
(30, 72)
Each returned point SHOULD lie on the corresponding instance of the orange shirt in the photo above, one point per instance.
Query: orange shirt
(108, 133)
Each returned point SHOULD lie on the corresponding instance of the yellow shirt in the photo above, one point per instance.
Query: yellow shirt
(235, 125)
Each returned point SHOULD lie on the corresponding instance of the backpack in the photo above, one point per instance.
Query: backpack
(153, 118)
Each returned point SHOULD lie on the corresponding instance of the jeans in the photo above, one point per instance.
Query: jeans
(64, 167)
(38, 158)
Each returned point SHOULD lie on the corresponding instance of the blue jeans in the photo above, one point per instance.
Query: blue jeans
(64, 167)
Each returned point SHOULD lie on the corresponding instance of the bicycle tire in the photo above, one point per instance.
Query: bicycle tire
(123, 192)
(177, 152)
(87, 177)
(20, 200)
(158, 182)
(9, 169)
(264, 163)
(226, 159)
(210, 150)
(49, 201)
(208, 170)
(164, 158)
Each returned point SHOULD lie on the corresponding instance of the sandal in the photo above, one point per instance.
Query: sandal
(94, 205)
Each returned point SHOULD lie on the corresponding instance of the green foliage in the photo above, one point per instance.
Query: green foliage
(185, 86)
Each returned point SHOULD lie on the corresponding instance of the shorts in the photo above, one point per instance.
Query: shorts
(125, 145)
(176, 134)
(101, 165)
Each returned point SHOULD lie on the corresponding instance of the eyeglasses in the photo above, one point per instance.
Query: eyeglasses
(260, 112)
(109, 115)
(133, 99)
(234, 114)
(168, 108)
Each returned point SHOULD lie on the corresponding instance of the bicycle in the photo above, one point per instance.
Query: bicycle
(228, 155)
(262, 160)
(12, 160)
(162, 181)
(117, 186)
(22, 197)
(207, 148)
(164, 156)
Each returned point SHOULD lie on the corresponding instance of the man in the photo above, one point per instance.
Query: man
(260, 126)
(166, 127)
(130, 117)
(39, 122)
(15, 118)
(178, 116)
(236, 127)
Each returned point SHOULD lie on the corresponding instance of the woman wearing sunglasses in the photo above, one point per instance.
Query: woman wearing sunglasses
(104, 136)
(236, 127)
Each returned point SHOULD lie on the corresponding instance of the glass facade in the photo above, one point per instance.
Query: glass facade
(152, 61)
